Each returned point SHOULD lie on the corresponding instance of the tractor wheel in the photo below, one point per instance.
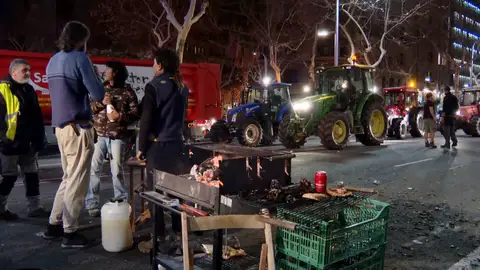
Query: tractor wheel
(219, 132)
(475, 126)
(250, 133)
(400, 130)
(416, 122)
(374, 122)
(287, 140)
(334, 130)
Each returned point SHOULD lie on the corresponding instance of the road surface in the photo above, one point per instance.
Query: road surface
(434, 217)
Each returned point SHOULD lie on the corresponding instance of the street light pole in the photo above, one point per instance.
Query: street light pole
(337, 20)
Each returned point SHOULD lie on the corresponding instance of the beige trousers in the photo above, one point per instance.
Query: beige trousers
(76, 154)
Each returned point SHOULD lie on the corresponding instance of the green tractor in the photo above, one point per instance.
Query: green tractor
(346, 103)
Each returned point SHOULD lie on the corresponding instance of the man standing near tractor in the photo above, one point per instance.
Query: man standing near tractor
(450, 108)
(429, 121)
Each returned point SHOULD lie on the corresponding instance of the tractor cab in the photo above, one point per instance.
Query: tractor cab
(469, 102)
(400, 99)
(347, 82)
(275, 94)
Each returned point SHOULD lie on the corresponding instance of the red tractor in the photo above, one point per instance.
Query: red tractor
(404, 114)
(468, 116)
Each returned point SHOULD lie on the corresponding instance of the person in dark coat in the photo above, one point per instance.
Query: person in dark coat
(450, 108)
(22, 136)
(161, 123)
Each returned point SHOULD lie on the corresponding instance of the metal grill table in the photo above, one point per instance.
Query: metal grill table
(242, 169)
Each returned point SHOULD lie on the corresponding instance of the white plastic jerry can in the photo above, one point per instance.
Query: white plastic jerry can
(116, 229)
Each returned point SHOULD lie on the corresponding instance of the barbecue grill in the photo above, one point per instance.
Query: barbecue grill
(244, 171)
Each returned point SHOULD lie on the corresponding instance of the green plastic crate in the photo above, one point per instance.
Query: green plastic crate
(318, 242)
(370, 260)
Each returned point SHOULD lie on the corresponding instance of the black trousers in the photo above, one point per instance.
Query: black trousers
(167, 157)
(449, 130)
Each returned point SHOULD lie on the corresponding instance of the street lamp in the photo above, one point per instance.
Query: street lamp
(266, 80)
(325, 33)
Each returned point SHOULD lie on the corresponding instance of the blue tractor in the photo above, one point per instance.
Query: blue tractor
(256, 120)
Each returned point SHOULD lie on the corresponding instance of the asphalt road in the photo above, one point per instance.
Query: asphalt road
(434, 216)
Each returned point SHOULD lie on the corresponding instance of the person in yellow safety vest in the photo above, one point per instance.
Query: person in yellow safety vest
(22, 135)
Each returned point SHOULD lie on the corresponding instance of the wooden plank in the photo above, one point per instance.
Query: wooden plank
(225, 222)
(277, 222)
(187, 262)
(270, 247)
(263, 258)
(369, 190)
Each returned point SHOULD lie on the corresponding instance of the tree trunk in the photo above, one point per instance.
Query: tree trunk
(181, 40)
(278, 71)
(311, 68)
(180, 47)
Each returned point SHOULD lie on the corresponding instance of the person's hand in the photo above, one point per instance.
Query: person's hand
(140, 156)
(113, 115)
(107, 100)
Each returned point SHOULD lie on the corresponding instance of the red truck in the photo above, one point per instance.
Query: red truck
(202, 79)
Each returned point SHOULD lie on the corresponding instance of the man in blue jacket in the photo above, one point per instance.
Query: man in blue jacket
(71, 79)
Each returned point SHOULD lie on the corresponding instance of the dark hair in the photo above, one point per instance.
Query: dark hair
(447, 89)
(73, 37)
(120, 73)
(429, 95)
(170, 64)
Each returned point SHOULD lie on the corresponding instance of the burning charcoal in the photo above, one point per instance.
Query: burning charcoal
(274, 184)
(290, 199)
(274, 194)
(305, 185)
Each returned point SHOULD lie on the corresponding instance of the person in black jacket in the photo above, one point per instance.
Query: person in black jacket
(450, 108)
(20, 145)
(161, 123)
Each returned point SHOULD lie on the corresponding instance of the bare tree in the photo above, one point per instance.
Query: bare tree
(278, 26)
(189, 19)
(376, 22)
(129, 21)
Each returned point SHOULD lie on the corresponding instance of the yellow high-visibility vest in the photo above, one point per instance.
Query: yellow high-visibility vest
(12, 106)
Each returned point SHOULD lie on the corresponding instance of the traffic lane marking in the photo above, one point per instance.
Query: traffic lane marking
(413, 162)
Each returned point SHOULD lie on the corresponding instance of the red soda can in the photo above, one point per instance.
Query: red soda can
(320, 182)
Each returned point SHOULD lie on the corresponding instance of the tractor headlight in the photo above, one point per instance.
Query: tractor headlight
(234, 117)
(458, 113)
(302, 106)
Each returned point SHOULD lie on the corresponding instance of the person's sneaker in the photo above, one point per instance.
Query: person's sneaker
(38, 213)
(433, 146)
(445, 146)
(74, 240)
(8, 216)
(454, 144)
(94, 212)
(53, 231)
(427, 144)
